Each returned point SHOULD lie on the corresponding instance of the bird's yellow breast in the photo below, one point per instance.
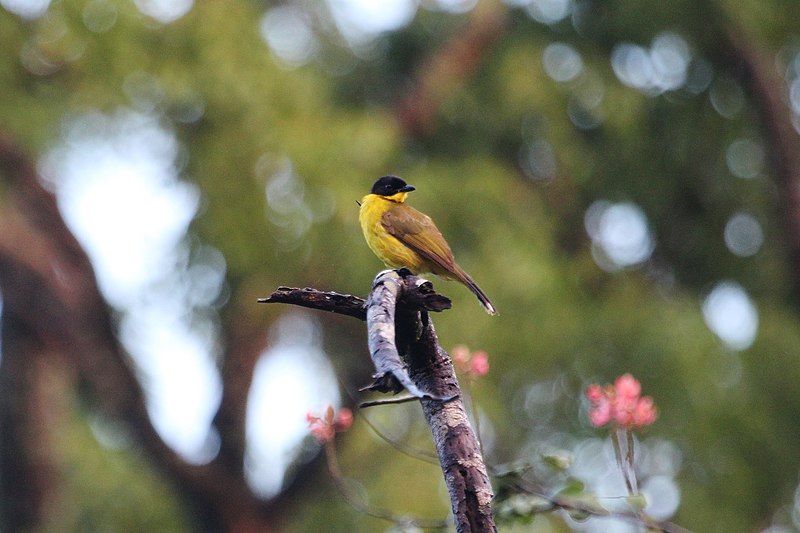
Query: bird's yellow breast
(391, 251)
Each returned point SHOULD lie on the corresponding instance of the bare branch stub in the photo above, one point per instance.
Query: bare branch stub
(343, 304)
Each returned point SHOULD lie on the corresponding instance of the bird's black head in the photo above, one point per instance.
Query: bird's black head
(390, 185)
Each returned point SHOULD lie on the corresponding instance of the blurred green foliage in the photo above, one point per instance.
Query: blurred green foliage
(733, 415)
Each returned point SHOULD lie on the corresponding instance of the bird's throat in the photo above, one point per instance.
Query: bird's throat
(399, 197)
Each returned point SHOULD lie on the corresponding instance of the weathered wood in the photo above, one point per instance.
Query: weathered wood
(406, 354)
(392, 370)
(333, 302)
(430, 369)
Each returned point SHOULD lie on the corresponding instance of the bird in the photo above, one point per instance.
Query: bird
(403, 237)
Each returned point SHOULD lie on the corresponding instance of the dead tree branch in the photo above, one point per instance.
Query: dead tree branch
(405, 349)
(343, 304)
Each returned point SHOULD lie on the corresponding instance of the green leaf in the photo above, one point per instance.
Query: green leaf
(637, 502)
(507, 478)
(579, 515)
(522, 505)
(573, 488)
(558, 461)
(591, 504)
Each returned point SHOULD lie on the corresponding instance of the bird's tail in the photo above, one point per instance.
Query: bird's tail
(464, 278)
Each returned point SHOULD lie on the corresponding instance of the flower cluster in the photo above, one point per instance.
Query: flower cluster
(621, 403)
(474, 364)
(324, 428)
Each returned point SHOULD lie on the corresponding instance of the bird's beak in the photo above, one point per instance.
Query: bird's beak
(408, 188)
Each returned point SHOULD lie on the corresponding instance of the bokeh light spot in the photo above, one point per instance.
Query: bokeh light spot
(36, 61)
(287, 208)
(144, 91)
(179, 376)
(562, 62)
(589, 90)
(99, 16)
(362, 20)
(726, 96)
(549, 11)
(107, 172)
(662, 495)
(280, 397)
(743, 235)
(619, 233)
(27, 9)
(538, 160)
(164, 11)
(662, 67)
(116, 180)
(745, 158)
(794, 95)
(699, 76)
(455, 6)
(583, 118)
(631, 63)
(731, 315)
(288, 34)
(670, 55)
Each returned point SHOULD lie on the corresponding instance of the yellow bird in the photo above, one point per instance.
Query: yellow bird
(401, 236)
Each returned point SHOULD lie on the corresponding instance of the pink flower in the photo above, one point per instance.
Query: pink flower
(594, 393)
(627, 386)
(322, 432)
(600, 414)
(325, 428)
(343, 420)
(473, 364)
(479, 366)
(620, 403)
(623, 409)
(645, 412)
(460, 354)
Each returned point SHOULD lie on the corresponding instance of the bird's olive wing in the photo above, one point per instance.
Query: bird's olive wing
(417, 231)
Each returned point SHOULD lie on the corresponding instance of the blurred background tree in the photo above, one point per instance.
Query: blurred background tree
(621, 177)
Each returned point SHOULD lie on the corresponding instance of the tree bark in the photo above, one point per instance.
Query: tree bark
(403, 344)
